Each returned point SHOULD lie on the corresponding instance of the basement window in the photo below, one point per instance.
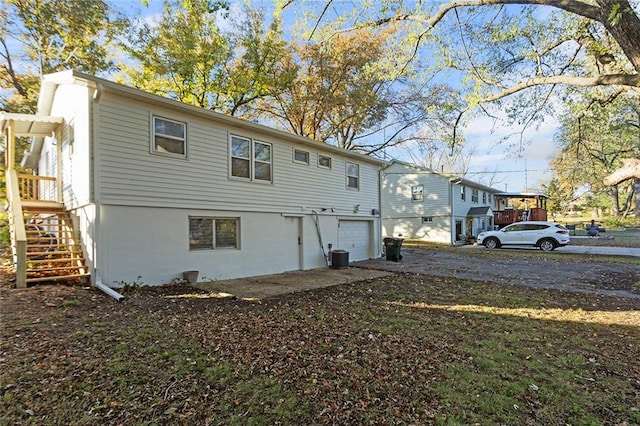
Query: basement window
(211, 233)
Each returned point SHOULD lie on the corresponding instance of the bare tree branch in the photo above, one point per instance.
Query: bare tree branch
(631, 80)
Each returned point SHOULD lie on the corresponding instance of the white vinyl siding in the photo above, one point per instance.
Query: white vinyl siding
(428, 220)
(398, 180)
(72, 103)
(128, 175)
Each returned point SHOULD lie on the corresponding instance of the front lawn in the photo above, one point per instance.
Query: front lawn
(407, 349)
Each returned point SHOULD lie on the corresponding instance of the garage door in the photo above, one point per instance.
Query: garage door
(355, 237)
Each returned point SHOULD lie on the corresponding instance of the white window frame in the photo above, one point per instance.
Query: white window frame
(417, 193)
(252, 159)
(474, 195)
(297, 151)
(325, 157)
(463, 193)
(350, 176)
(214, 244)
(154, 144)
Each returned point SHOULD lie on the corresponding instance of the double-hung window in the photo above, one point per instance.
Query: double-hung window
(209, 233)
(463, 193)
(417, 193)
(169, 137)
(474, 195)
(251, 159)
(353, 175)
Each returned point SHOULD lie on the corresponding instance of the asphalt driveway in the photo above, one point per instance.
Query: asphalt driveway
(550, 271)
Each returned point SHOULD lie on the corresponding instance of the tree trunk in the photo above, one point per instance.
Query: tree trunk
(626, 30)
(630, 170)
(615, 201)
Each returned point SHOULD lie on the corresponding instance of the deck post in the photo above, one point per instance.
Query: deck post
(18, 234)
(10, 151)
(21, 264)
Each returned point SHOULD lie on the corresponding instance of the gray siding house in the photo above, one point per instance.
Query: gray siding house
(418, 203)
(155, 187)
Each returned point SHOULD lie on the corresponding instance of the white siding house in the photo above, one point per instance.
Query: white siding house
(157, 187)
(420, 204)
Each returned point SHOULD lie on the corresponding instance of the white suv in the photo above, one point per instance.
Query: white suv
(546, 235)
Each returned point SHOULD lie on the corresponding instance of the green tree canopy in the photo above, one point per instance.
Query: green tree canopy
(595, 138)
(43, 36)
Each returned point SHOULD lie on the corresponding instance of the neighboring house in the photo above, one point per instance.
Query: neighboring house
(418, 203)
(155, 187)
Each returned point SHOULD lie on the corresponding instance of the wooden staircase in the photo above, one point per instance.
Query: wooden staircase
(54, 252)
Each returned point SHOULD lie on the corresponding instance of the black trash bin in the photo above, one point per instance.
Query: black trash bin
(392, 247)
(339, 259)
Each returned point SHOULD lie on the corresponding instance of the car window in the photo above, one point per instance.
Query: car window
(515, 227)
(535, 227)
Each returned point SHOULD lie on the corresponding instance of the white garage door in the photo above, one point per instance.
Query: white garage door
(354, 236)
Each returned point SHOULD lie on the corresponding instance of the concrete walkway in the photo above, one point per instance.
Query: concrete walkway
(257, 288)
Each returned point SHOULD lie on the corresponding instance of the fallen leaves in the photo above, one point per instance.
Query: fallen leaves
(380, 351)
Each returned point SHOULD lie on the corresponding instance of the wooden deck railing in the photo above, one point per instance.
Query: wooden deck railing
(33, 187)
(505, 217)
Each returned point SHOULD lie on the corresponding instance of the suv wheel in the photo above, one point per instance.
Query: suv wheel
(547, 245)
(492, 243)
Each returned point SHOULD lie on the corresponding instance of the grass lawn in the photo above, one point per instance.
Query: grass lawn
(407, 349)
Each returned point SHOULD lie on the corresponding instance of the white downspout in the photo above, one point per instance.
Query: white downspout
(108, 290)
(97, 229)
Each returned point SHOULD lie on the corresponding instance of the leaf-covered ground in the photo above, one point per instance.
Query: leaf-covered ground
(404, 349)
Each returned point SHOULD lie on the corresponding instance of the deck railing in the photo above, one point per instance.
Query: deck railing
(34, 187)
(506, 217)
